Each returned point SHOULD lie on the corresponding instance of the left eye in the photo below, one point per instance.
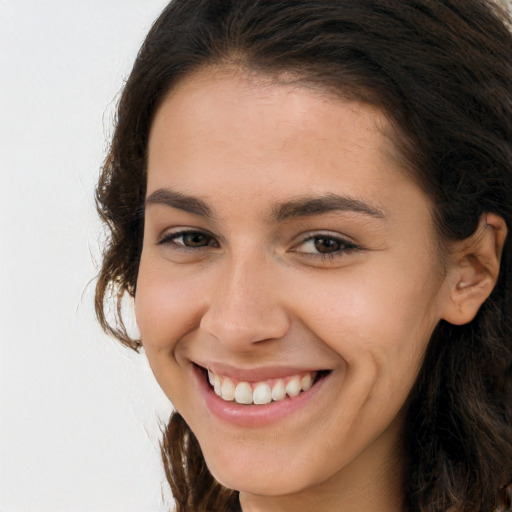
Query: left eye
(325, 245)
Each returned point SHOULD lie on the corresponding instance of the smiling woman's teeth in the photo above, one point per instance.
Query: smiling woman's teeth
(259, 393)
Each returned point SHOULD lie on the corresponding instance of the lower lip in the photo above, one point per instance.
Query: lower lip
(254, 415)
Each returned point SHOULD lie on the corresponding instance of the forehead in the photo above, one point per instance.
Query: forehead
(217, 93)
(255, 140)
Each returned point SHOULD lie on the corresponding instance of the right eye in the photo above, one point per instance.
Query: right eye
(188, 239)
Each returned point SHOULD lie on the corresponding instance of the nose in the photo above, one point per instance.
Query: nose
(244, 307)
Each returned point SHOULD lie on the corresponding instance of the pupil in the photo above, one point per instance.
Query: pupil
(325, 245)
(195, 240)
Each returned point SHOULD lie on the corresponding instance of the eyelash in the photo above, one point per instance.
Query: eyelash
(171, 239)
(345, 246)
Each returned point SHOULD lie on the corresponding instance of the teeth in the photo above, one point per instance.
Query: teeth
(216, 384)
(293, 387)
(228, 390)
(260, 393)
(278, 391)
(306, 382)
(243, 393)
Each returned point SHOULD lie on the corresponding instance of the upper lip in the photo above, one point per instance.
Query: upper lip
(255, 374)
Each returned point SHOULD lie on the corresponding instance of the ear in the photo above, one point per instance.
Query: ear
(474, 269)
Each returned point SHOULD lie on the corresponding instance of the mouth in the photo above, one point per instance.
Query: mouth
(258, 393)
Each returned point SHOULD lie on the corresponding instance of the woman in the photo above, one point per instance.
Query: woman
(310, 202)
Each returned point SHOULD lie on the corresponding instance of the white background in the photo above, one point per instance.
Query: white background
(78, 413)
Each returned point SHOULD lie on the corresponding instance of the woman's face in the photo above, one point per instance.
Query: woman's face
(284, 248)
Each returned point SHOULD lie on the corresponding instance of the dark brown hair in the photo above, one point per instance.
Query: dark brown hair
(441, 72)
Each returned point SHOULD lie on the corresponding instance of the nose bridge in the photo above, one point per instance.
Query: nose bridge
(244, 308)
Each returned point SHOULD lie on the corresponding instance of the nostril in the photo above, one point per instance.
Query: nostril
(248, 315)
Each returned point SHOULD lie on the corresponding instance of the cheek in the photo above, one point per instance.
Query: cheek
(384, 317)
(166, 306)
(166, 309)
(380, 326)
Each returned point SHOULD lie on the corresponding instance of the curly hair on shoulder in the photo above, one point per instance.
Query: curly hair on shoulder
(441, 71)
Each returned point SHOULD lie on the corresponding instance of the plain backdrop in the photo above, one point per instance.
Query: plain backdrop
(79, 414)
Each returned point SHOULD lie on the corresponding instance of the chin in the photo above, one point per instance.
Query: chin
(258, 482)
(264, 471)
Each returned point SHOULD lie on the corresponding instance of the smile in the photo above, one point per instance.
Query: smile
(257, 398)
(260, 393)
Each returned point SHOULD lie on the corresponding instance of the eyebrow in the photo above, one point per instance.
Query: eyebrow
(309, 206)
(178, 200)
(306, 206)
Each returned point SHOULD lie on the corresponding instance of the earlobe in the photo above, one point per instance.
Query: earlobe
(474, 269)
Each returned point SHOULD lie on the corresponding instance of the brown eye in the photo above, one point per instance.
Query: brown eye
(196, 240)
(326, 245)
(188, 240)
